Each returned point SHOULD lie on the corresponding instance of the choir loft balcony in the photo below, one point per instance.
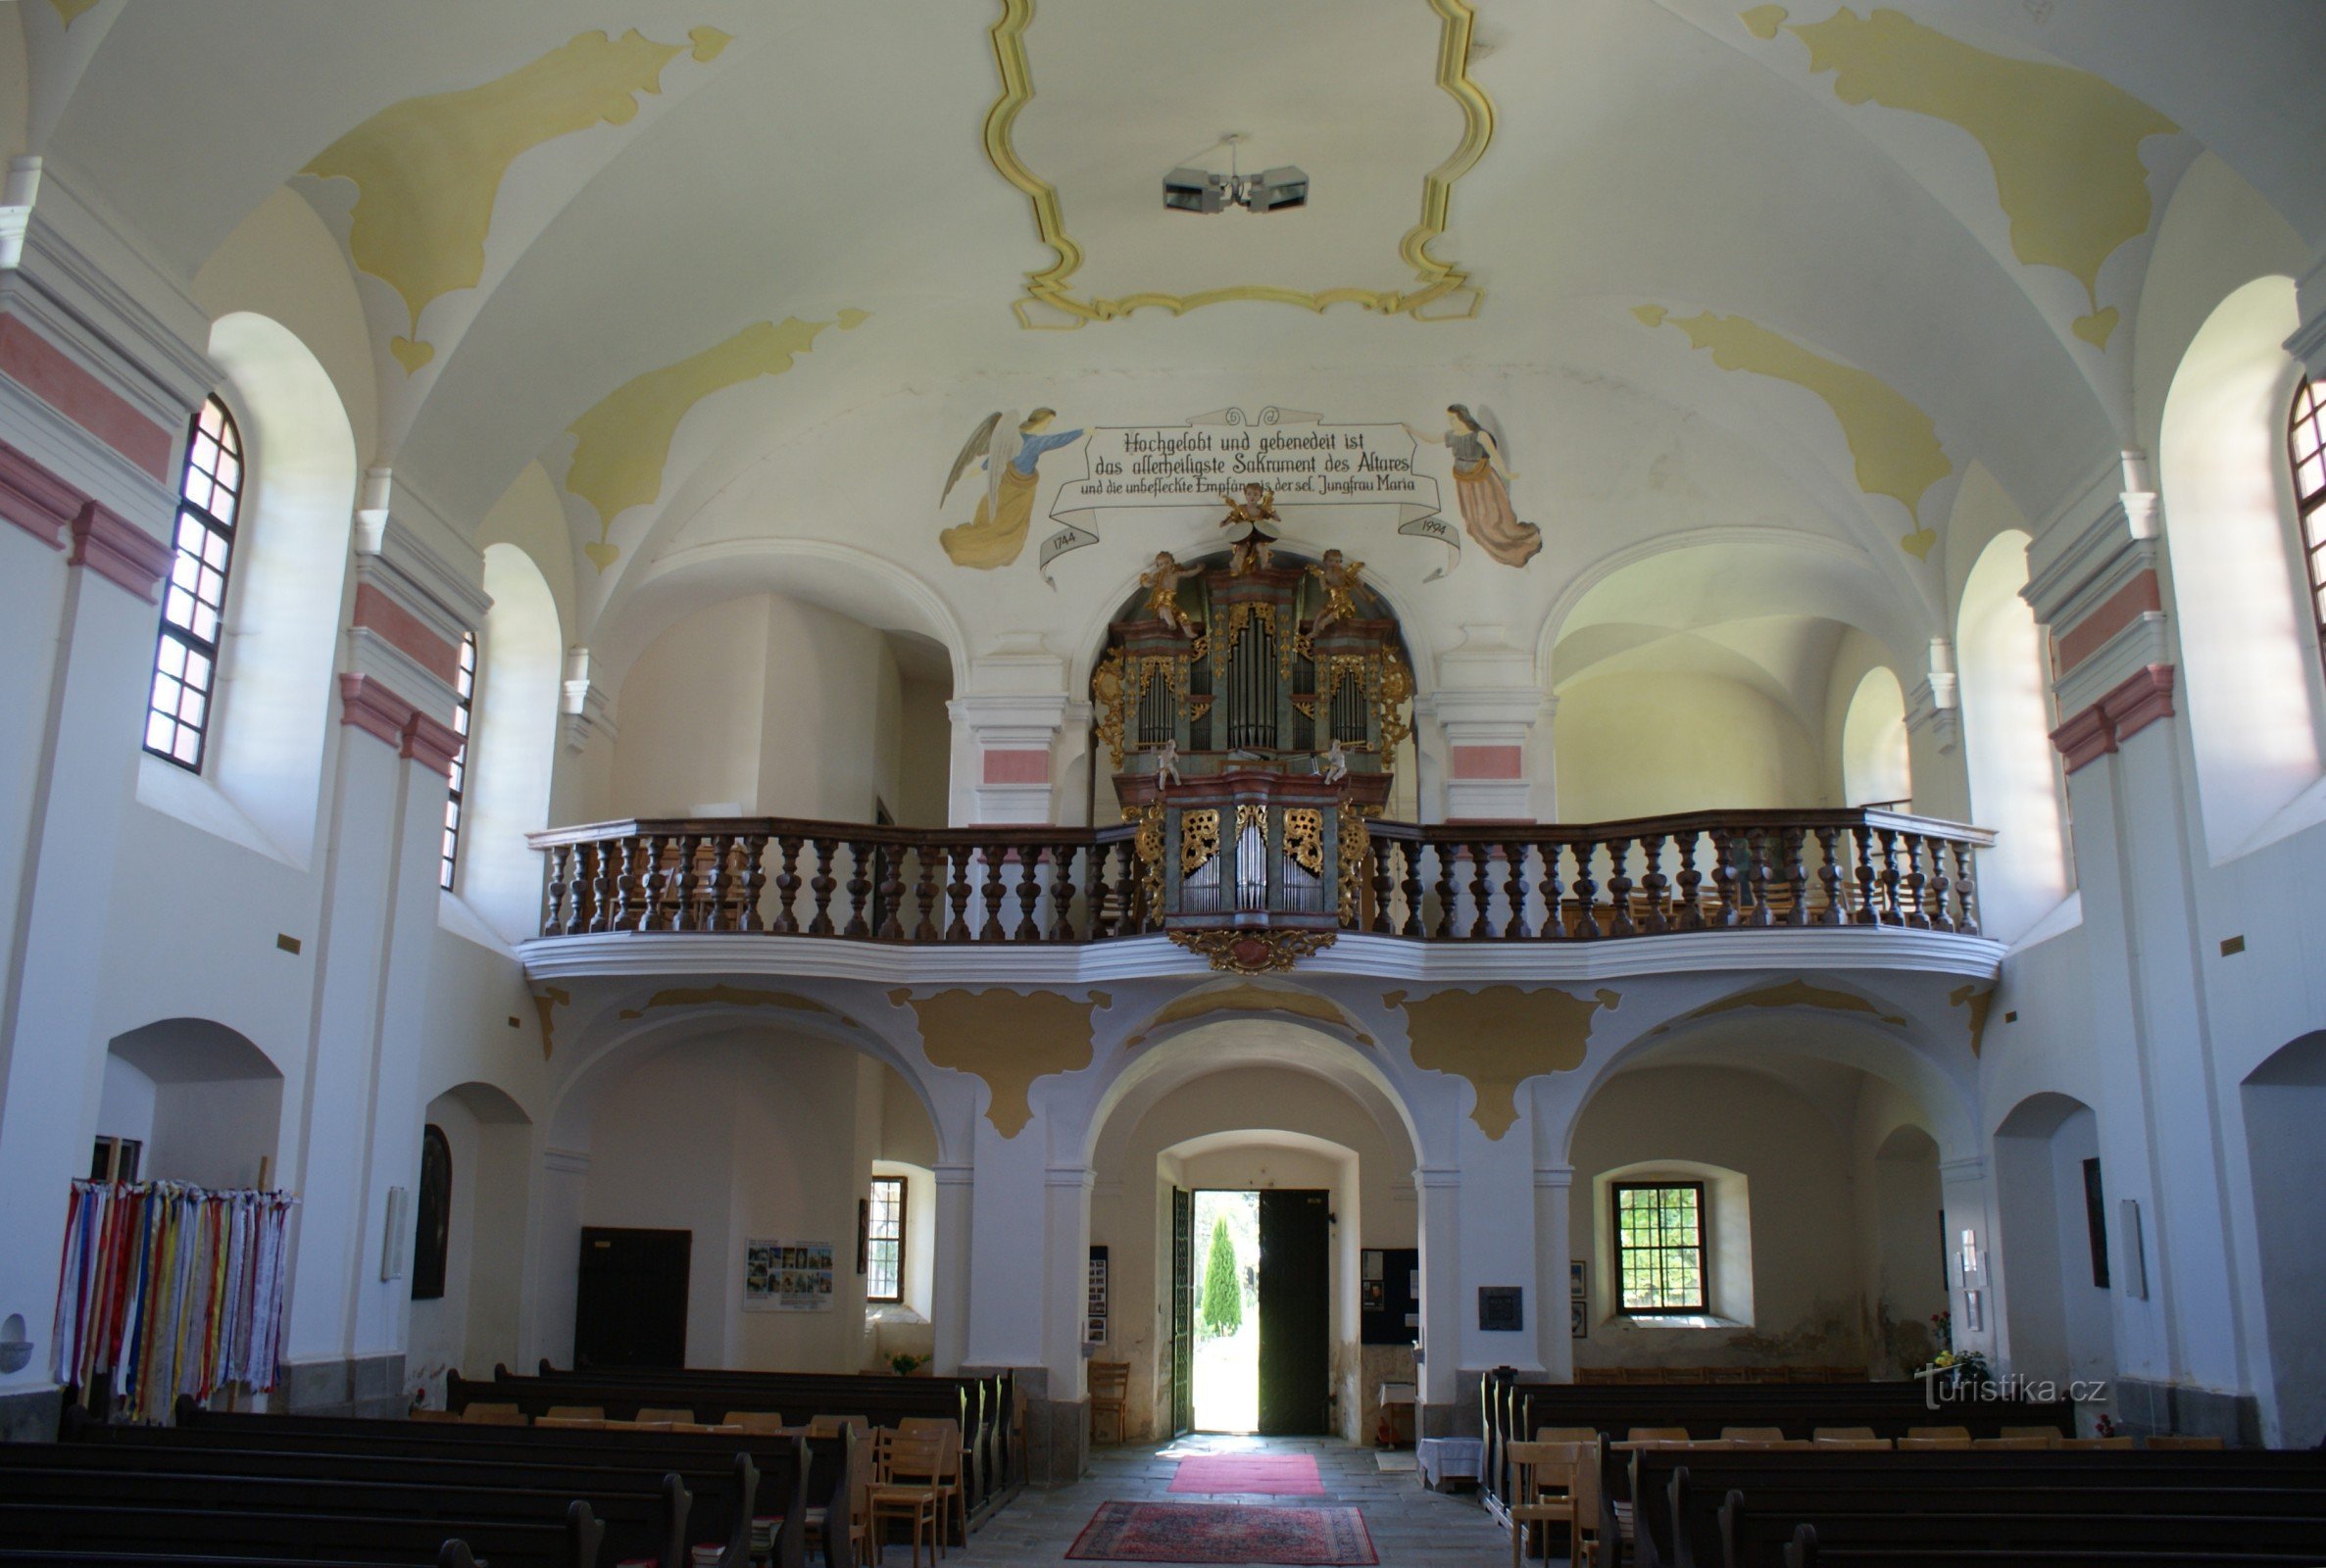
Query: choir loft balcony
(1234, 877)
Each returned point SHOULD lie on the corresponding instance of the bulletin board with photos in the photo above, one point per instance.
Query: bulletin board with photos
(1389, 1296)
(1094, 1314)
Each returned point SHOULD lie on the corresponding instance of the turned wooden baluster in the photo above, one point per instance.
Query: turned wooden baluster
(859, 887)
(1481, 892)
(991, 930)
(1917, 911)
(1870, 906)
(1653, 883)
(1692, 910)
(717, 883)
(820, 886)
(755, 879)
(1892, 912)
(1619, 889)
(1756, 878)
(891, 892)
(682, 882)
(931, 858)
(1554, 895)
(1516, 928)
(1061, 893)
(1587, 892)
(1796, 875)
(1029, 893)
(1940, 906)
(1381, 850)
(787, 886)
(1445, 892)
(1829, 876)
(1967, 891)
(1117, 885)
(623, 852)
(1411, 887)
(600, 888)
(957, 893)
(1724, 879)
(553, 890)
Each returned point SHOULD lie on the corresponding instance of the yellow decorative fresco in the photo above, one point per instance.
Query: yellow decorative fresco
(622, 445)
(1496, 1037)
(1894, 444)
(1789, 994)
(1441, 291)
(546, 1003)
(726, 996)
(427, 170)
(1978, 999)
(71, 11)
(1244, 999)
(1007, 1039)
(2064, 144)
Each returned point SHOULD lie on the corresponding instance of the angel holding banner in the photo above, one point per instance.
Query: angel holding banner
(1008, 448)
(1482, 484)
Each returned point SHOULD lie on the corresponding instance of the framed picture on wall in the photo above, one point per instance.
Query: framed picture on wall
(1579, 1284)
(1094, 1331)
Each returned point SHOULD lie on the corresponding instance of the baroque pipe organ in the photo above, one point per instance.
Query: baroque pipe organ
(1252, 711)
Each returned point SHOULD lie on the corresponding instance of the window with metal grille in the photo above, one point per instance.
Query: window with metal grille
(466, 684)
(1659, 1246)
(884, 1240)
(2305, 445)
(194, 600)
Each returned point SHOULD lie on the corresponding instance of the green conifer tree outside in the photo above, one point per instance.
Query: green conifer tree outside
(1223, 1298)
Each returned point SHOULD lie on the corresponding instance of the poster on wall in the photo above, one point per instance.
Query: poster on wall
(1579, 1281)
(787, 1276)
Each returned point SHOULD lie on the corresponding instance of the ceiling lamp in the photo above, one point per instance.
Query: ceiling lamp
(1197, 190)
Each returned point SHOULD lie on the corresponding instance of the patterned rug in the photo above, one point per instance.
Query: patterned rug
(1223, 1533)
(1277, 1475)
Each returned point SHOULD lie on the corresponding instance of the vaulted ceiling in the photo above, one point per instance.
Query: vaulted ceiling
(740, 269)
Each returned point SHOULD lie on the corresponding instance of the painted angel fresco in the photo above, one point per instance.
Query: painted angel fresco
(1008, 448)
(1482, 483)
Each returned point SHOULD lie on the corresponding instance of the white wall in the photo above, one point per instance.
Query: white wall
(1643, 745)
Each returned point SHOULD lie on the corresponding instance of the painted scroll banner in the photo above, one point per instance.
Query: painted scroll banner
(1304, 460)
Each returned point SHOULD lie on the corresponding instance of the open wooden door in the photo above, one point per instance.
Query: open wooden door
(1295, 1313)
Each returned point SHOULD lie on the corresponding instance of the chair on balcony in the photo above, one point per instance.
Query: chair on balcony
(1109, 1398)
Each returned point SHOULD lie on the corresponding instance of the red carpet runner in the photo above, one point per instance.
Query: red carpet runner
(1276, 1475)
(1223, 1533)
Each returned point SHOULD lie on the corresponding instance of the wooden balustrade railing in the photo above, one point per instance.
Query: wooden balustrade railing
(1550, 882)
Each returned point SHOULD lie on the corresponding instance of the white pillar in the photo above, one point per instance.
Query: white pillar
(1555, 1343)
(1440, 1190)
(948, 1296)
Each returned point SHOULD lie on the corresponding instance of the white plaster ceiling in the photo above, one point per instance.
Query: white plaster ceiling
(829, 159)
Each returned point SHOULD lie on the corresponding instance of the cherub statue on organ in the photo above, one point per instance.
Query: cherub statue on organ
(1341, 580)
(1256, 549)
(1162, 582)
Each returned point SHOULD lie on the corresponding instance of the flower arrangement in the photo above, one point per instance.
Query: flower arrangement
(1951, 1365)
(905, 1362)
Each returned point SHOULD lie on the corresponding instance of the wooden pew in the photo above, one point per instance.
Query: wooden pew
(728, 1477)
(49, 1529)
(452, 1554)
(1702, 1506)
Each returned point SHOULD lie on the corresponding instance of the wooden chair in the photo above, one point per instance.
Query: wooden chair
(1933, 1444)
(2186, 1445)
(494, 1415)
(859, 1494)
(575, 1412)
(904, 1487)
(1544, 1477)
(954, 1505)
(1754, 1433)
(1851, 1444)
(1657, 1435)
(832, 1425)
(2096, 1443)
(664, 1413)
(572, 1423)
(1844, 1433)
(2051, 1442)
(2051, 1432)
(1940, 1431)
(1110, 1397)
(764, 1422)
(1566, 1435)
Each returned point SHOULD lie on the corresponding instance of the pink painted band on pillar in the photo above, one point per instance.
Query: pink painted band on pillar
(1485, 761)
(53, 376)
(2116, 717)
(119, 551)
(2125, 606)
(1016, 768)
(407, 633)
(36, 499)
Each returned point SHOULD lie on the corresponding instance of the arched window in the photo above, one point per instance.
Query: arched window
(2305, 445)
(194, 606)
(466, 686)
(431, 1239)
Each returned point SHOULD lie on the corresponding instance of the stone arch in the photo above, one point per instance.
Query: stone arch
(2015, 783)
(2249, 647)
(274, 720)
(2284, 1101)
(512, 749)
(202, 1100)
(477, 1320)
(2055, 1319)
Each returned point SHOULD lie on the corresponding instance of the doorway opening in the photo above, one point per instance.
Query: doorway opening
(1226, 1281)
(1259, 1269)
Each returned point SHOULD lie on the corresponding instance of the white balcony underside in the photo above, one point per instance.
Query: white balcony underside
(624, 953)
